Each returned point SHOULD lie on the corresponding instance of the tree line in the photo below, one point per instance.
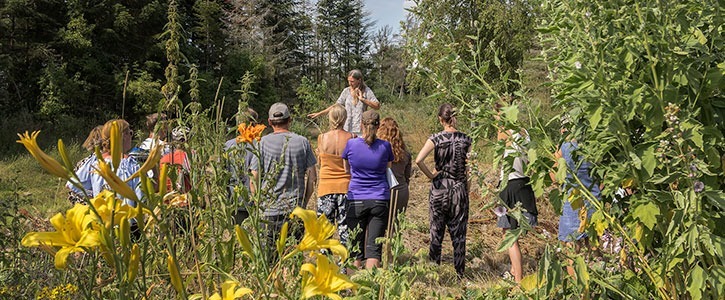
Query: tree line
(64, 60)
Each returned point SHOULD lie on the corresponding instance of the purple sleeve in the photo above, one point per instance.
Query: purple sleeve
(391, 156)
(346, 152)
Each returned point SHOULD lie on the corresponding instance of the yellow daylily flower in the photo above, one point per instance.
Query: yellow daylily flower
(74, 233)
(230, 292)
(324, 279)
(151, 162)
(116, 145)
(318, 233)
(118, 185)
(46, 162)
(249, 133)
(107, 205)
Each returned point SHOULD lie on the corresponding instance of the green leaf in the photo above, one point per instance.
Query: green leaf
(717, 198)
(561, 171)
(649, 160)
(600, 223)
(511, 113)
(582, 274)
(596, 118)
(647, 214)
(509, 239)
(696, 282)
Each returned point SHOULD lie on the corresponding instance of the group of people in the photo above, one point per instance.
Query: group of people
(364, 172)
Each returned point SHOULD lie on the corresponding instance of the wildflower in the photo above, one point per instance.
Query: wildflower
(46, 162)
(74, 233)
(116, 183)
(587, 14)
(500, 211)
(318, 231)
(323, 279)
(249, 133)
(230, 292)
(177, 200)
(429, 36)
(577, 65)
(698, 186)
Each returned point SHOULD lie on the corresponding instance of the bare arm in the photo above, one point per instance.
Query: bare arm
(552, 172)
(372, 102)
(322, 112)
(420, 160)
(347, 166)
(311, 181)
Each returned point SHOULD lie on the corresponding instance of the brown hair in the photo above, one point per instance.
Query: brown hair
(106, 133)
(152, 119)
(447, 113)
(337, 116)
(370, 124)
(390, 132)
(95, 138)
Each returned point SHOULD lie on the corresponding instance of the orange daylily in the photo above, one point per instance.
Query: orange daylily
(249, 133)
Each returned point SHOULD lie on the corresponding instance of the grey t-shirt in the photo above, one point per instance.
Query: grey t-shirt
(355, 111)
(285, 156)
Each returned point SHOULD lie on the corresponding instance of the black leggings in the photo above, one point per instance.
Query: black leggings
(372, 217)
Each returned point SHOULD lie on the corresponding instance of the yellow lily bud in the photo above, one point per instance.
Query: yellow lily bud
(133, 263)
(118, 185)
(124, 232)
(282, 241)
(243, 239)
(163, 174)
(46, 162)
(64, 155)
(174, 273)
(116, 145)
(150, 163)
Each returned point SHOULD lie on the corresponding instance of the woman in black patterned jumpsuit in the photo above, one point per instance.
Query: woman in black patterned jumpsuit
(449, 189)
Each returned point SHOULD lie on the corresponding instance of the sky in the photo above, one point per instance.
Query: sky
(387, 12)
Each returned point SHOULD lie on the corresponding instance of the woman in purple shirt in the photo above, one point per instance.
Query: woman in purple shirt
(367, 159)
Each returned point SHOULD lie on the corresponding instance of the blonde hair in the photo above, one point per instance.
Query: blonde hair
(337, 116)
(106, 133)
(390, 132)
(95, 138)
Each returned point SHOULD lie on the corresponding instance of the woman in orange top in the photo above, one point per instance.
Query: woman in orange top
(332, 188)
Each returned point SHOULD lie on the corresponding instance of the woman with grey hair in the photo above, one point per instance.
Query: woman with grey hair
(356, 98)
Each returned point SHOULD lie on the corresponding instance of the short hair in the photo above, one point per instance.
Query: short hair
(152, 119)
(279, 122)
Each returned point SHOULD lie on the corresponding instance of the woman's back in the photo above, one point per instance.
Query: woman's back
(333, 178)
(368, 165)
(451, 154)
